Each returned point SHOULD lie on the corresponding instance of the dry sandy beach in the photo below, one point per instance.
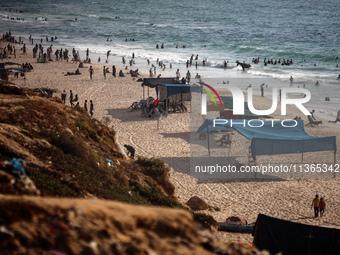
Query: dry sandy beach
(288, 199)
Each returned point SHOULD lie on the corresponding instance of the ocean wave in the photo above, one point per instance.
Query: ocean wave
(91, 16)
(13, 19)
(160, 25)
(143, 24)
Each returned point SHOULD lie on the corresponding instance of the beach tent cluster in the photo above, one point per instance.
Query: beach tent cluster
(270, 137)
(4, 71)
(167, 90)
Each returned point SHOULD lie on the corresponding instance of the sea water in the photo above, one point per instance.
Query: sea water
(308, 32)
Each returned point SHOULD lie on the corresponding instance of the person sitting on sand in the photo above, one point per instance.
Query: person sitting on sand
(225, 140)
(121, 74)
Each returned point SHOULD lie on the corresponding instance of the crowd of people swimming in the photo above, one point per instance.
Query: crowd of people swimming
(62, 54)
(283, 62)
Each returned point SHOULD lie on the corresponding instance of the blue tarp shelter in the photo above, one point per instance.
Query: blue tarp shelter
(14, 68)
(152, 83)
(272, 137)
(172, 89)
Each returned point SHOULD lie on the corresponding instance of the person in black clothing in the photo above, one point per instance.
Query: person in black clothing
(91, 108)
(85, 106)
(114, 71)
(63, 96)
(131, 150)
(71, 98)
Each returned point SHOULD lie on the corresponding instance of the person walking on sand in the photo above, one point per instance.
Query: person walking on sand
(262, 90)
(71, 98)
(85, 106)
(91, 108)
(91, 72)
(63, 96)
(130, 150)
(188, 76)
(315, 204)
(322, 206)
(337, 118)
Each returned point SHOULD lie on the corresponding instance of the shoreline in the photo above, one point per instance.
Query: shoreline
(288, 199)
(324, 110)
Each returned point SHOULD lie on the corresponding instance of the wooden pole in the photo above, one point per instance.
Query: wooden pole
(334, 160)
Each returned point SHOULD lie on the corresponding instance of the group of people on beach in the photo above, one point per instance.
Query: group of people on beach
(74, 99)
(319, 205)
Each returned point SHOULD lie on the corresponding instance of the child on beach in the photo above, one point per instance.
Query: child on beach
(91, 72)
(322, 206)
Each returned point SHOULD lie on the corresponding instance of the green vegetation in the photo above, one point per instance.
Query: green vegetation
(74, 147)
(154, 167)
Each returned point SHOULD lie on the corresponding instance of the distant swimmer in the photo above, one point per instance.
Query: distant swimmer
(317, 83)
(291, 79)
(338, 78)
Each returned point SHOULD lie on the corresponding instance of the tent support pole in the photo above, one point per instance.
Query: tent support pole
(255, 168)
(166, 106)
(208, 140)
(334, 160)
(143, 92)
(302, 157)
